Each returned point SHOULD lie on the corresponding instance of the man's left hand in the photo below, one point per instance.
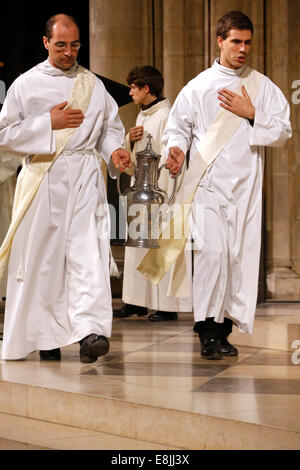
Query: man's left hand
(121, 159)
(236, 104)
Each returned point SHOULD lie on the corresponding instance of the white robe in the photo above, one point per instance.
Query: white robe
(6, 203)
(229, 196)
(8, 172)
(137, 290)
(63, 240)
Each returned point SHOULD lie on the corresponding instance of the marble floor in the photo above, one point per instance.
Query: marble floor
(154, 391)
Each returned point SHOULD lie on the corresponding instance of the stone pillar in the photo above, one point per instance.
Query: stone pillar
(195, 41)
(158, 34)
(173, 47)
(113, 42)
(282, 281)
(121, 37)
(294, 148)
(183, 43)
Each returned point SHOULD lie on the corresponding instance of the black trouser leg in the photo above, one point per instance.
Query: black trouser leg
(210, 338)
(208, 329)
(213, 338)
(226, 327)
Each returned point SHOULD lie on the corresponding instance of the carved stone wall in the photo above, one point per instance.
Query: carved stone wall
(282, 171)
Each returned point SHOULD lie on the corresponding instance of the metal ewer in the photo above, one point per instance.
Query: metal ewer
(144, 200)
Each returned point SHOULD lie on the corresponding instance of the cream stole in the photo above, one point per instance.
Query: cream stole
(8, 165)
(174, 236)
(32, 174)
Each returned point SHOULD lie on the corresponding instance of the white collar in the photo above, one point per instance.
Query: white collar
(46, 67)
(226, 70)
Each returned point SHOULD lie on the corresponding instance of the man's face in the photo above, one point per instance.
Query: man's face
(63, 46)
(139, 95)
(235, 48)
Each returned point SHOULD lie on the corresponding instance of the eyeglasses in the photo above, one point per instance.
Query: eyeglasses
(63, 46)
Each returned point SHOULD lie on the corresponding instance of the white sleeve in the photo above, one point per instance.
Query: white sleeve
(112, 132)
(24, 134)
(178, 131)
(272, 125)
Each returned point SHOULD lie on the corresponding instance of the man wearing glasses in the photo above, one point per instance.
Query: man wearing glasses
(59, 116)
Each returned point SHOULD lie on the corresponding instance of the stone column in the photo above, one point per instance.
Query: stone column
(158, 34)
(294, 148)
(282, 281)
(195, 40)
(183, 43)
(173, 47)
(113, 43)
(121, 37)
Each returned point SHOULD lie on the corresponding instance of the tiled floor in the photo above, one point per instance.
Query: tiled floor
(152, 383)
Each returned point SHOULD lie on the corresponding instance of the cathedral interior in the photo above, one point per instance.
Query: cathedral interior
(153, 390)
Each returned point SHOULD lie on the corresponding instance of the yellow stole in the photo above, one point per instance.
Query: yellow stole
(32, 174)
(174, 236)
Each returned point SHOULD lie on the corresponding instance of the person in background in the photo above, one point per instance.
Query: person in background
(139, 295)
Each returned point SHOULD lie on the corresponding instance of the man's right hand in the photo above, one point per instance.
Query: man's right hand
(65, 118)
(175, 160)
(135, 133)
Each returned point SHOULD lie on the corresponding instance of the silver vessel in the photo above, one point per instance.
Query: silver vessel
(145, 202)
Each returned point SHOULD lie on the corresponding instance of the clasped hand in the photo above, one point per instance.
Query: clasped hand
(136, 133)
(236, 104)
(175, 160)
(65, 118)
(121, 159)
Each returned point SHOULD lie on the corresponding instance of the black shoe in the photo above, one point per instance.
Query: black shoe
(163, 316)
(127, 310)
(50, 355)
(211, 348)
(93, 346)
(227, 348)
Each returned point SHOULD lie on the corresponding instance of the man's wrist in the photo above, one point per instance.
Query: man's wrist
(251, 115)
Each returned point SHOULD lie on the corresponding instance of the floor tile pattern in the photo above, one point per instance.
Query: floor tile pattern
(159, 365)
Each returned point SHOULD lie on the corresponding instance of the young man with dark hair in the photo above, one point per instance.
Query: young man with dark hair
(224, 117)
(139, 294)
(147, 75)
(233, 20)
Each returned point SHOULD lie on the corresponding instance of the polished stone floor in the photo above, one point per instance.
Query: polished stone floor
(153, 383)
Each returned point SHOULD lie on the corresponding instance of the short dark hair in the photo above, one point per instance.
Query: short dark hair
(54, 19)
(234, 19)
(147, 75)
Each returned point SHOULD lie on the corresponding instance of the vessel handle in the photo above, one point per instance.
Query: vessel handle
(175, 183)
(119, 177)
(118, 183)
